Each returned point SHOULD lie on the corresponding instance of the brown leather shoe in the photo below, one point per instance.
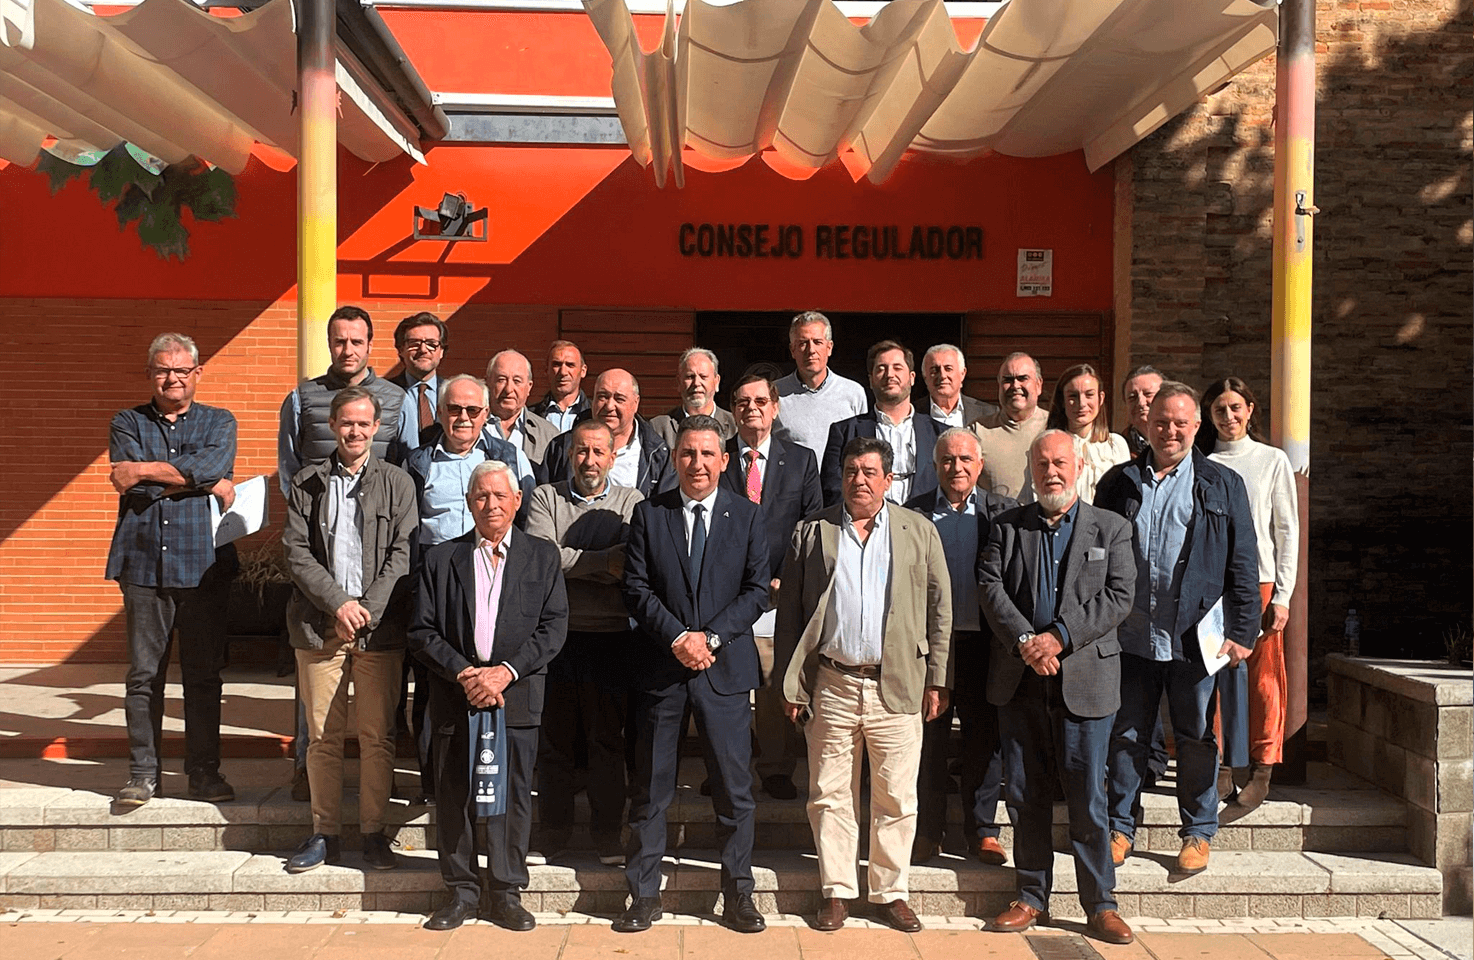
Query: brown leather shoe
(1194, 856)
(1254, 792)
(832, 914)
(988, 850)
(1108, 927)
(1120, 847)
(924, 849)
(897, 914)
(1226, 787)
(1018, 916)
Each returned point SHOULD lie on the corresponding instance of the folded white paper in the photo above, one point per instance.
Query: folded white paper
(245, 516)
(1210, 638)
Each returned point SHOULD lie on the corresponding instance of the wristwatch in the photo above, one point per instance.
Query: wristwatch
(1024, 638)
(713, 642)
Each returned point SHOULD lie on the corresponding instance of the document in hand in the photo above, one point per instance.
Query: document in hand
(245, 516)
(1210, 638)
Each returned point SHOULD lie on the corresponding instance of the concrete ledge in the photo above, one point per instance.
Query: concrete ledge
(1429, 681)
(1384, 874)
(209, 871)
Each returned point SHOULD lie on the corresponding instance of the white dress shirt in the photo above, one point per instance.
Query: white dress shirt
(854, 623)
(953, 419)
(626, 469)
(688, 518)
(902, 438)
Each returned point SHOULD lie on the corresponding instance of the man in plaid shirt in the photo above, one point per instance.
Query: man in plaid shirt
(170, 456)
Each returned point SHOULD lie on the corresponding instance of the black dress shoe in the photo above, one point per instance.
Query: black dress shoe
(509, 914)
(641, 913)
(316, 851)
(741, 914)
(451, 915)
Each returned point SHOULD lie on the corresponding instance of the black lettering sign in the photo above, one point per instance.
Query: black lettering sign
(832, 241)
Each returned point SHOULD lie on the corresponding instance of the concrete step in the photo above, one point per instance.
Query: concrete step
(73, 811)
(1237, 884)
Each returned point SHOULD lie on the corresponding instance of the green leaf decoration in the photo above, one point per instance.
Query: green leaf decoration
(146, 191)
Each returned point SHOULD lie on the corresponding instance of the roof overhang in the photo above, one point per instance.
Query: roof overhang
(174, 81)
(1045, 77)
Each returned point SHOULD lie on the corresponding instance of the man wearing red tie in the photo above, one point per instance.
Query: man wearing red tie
(784, 478)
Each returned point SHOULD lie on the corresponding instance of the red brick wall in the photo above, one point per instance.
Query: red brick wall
(1390, 442)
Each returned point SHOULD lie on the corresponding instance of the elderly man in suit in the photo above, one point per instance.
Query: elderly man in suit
(944, 369)
(963, 516)
(696, 576)
(1057, 577)
(784, 478)
(910, 433)
(698, 381)
(490, 613)
(865, 628)
(509, 377)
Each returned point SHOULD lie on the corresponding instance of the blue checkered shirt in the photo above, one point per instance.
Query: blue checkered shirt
(167, 541)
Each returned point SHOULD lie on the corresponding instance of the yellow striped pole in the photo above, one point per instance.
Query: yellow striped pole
(1290, 380)
(317, 182)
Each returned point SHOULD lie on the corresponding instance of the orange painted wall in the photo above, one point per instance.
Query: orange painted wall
(570, 227)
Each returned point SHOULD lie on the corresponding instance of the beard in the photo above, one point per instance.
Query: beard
(1055, 502)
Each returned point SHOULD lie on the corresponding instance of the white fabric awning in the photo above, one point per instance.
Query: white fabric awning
(1045, 77)
(174, 81)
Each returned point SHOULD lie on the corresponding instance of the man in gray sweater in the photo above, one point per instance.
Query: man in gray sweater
(588, 518)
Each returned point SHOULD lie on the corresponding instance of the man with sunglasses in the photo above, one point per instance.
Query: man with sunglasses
(169, 457)
(441, 470)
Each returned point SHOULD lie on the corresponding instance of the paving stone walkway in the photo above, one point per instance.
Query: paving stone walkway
(345, 935)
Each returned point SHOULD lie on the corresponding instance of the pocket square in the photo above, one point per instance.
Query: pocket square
(1095, 553)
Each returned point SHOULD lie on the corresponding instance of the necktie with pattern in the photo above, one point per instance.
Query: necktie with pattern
(427, 416)
(754, 479)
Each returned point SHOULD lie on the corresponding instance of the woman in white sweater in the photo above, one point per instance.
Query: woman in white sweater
(1079, 408)
(1236, 443)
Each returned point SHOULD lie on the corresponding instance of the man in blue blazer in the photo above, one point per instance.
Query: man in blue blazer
(490, 612)
(1197, 579)
(911, 432)
(696, 576)
(784, 478)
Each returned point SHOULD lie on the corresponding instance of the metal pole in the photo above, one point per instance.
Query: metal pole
(1290, 380)
(317, 182)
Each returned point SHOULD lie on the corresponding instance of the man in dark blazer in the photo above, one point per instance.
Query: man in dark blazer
(642, 460)
(1197, 582)
(490, 613)
(696, 575)
(1057, 577)
(893, 418)
(963, 516)
(421, 341)
(784, 478)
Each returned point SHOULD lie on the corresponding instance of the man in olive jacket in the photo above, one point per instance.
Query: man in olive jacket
(347, 539)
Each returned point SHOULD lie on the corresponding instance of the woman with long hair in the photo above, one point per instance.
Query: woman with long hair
(1079, 409)
(1235, 442)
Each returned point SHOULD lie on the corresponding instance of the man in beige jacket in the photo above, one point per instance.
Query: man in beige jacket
(864, 626)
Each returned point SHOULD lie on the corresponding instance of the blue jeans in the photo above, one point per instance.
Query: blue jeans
(1042, 741)
(1192, 698)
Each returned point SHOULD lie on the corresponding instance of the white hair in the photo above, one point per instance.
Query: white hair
(169, 342)
(943, 348)
(448, 382)
(1051, 432)
(699, 352)
(807, 317)
(948, 434)
(508, 353)
(487, 467)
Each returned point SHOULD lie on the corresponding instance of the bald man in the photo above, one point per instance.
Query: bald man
(509, 378)
(641, 458)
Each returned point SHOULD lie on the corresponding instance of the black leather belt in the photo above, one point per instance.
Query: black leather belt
(869, 671)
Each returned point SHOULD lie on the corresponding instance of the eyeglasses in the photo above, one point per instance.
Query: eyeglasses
(431, 345)
(758, 402)
(164, 373)
(457, 410)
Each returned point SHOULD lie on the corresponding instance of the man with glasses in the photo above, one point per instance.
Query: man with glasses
(169, 457)
(421, 341)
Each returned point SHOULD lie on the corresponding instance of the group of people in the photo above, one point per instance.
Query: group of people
(816, 571)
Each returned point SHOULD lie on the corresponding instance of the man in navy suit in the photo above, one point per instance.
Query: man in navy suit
(893, 418)
(784, 478)
(696, 576)
(490, 612)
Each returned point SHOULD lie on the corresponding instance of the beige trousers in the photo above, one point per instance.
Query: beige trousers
(324, 676)
(848, 716)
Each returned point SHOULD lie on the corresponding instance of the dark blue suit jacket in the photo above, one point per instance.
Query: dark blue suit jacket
(927, 430)
(733, 588)
(1221, 547)
(790, 492)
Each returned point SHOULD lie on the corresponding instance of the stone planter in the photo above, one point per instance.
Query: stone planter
(1405, 725)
